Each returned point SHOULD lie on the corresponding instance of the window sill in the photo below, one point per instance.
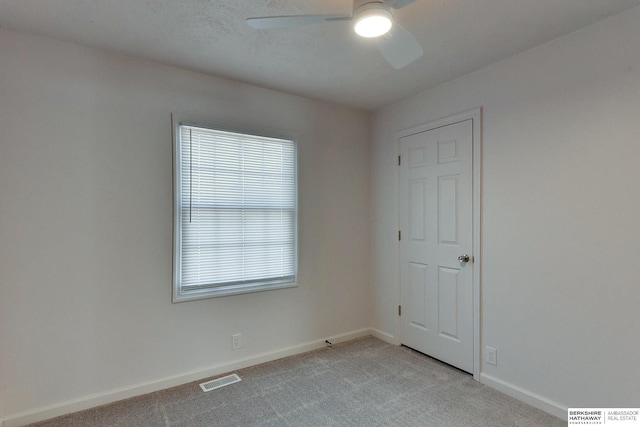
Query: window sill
(227, 291)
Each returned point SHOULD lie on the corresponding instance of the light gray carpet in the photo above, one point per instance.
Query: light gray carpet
(365, 382)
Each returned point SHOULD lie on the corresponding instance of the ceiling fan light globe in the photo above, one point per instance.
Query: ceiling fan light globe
(373, 23)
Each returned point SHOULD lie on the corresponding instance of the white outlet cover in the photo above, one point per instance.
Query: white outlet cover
(492, 356)
(236, 341)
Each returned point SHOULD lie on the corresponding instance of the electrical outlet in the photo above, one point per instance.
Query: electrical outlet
(492, 356)
(236, 341)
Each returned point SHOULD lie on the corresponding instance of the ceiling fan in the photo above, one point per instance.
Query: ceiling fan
(372, 19)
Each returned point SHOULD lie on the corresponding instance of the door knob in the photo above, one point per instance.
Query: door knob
(463, 259)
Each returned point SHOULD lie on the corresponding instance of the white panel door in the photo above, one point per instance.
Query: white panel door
(436, 223)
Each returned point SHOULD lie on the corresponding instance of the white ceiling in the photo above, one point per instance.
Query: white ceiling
(324, 61)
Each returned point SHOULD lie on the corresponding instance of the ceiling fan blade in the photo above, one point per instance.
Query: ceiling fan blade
(397, 4)
(399, 47)
(268, 22)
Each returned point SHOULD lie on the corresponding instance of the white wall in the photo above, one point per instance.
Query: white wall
(86, 227)
(560, 211)
(85, 221)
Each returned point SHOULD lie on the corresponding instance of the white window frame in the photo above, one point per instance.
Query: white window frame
(179, 294)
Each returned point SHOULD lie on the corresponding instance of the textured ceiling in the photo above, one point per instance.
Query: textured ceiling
(324, 61)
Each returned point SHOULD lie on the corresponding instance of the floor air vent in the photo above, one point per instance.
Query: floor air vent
(220, 382)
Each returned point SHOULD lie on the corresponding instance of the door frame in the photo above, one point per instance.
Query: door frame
(475, 115)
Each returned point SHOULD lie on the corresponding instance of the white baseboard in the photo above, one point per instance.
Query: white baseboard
(383, 336)
(115, 395)
(533, 399)
(87, 402)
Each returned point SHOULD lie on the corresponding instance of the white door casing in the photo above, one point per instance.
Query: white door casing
(438, 215)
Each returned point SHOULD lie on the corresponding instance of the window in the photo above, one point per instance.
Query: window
(235, 213)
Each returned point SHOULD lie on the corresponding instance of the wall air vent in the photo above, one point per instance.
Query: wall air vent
(220, 382)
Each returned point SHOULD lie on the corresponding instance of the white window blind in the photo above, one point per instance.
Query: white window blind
(237, 213)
